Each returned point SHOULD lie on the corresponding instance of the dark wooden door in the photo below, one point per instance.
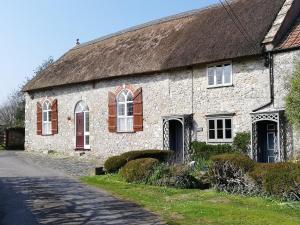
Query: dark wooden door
(80, 130)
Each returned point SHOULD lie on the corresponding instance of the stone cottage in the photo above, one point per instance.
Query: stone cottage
(202, 75)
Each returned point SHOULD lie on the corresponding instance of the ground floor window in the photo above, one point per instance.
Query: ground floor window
(220, 130)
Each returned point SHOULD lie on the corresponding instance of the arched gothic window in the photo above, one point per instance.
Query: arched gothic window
(47, 118)
(125, 111)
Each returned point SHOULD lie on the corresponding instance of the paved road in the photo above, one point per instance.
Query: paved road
(31, 195)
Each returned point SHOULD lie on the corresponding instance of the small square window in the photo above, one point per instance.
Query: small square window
(219, 75)
(220, 130)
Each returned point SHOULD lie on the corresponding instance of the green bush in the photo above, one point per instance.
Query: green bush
(229, 173)
(114, 164)
(161, 155)
(178, 176)
(241, 142)
(293, 99)
(139, 170)
(281, 180)
(205, 151)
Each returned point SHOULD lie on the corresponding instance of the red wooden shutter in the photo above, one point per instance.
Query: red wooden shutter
(112, 112)
(138, 110)
(39, 118)
(54, 117)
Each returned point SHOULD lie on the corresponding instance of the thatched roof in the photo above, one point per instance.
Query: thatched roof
(196, 37)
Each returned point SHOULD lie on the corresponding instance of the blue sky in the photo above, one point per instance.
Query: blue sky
(33, 30)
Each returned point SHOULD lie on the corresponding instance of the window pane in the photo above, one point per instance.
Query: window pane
(129, 124)
(50, 116)
(129, 109)
(211, 124)
(227, 73)
(129, 97)
(271, 141)
(87, 140)
(220, 124)
(87, 122)
(228, 123)
(219, 74)
(228, 134)
(121, 97)
(210, 74)
(220, 134)
(45, 116)
(121, 124)
(121, 109)
(211, 134)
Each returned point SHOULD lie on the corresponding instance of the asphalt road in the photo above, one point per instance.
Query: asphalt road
(31, 194)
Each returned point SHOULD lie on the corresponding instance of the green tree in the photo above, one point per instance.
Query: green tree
(293, 99)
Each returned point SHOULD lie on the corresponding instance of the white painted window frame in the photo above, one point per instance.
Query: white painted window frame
(224, 139)
(126, 117)
(46, 122)
(215, 65)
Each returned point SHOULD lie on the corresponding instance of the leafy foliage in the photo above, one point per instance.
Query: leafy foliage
(138, 170)
(293, 99)
(178, 176)
(229, 173)
(201, 150)
(241, 142)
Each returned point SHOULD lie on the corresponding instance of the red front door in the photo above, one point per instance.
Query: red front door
(80, 130)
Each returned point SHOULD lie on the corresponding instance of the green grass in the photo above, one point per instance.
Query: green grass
(177, 206)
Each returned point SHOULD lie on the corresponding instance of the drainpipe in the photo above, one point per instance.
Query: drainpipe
(269, 62)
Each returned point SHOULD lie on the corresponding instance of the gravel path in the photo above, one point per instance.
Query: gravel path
(73, 166)
(31, 193)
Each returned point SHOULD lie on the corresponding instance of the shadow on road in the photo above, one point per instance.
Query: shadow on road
(56, 200)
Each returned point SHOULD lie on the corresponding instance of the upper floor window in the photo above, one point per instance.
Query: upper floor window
(125, 111)
(47, 128)
(220, 130)
(219, 75)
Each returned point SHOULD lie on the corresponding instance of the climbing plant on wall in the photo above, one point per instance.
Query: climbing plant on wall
(293, 99)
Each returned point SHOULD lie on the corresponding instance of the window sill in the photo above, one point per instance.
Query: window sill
(47, 135)
(82, 149)
(125, 132)
(220, 86)
(220, 141)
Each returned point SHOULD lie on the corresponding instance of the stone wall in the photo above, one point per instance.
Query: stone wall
(284, 68)
(177, 92)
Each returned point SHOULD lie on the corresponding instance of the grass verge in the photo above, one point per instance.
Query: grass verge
(187, 207)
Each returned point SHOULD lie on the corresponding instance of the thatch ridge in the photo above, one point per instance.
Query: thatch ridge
(196, 37)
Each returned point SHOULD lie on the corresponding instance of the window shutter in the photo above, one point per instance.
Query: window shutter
(112, 113)
(54, 117)
(138, 110)
(39, 122)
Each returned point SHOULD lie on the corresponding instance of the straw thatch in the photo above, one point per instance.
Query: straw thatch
(200, 36)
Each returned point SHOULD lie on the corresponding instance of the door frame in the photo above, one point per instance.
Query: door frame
(85, 133)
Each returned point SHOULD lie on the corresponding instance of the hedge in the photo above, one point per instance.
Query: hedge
(161, 155)
(114, 164)
(138, 170)
(278, 179)
(201, 150)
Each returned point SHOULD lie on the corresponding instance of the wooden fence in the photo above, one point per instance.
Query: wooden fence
(12, 138)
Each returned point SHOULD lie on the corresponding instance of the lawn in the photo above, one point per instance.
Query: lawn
(177, 206)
